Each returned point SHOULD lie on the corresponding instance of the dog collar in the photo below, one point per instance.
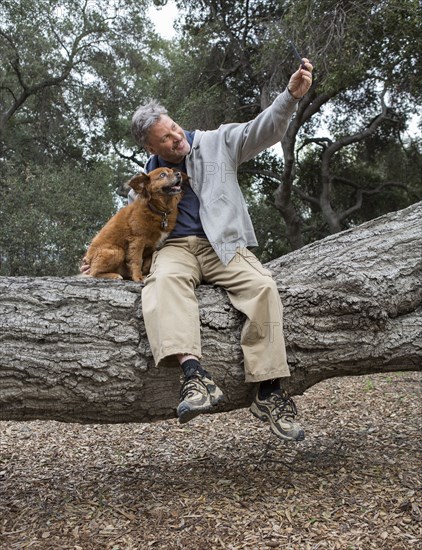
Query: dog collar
(164, 221)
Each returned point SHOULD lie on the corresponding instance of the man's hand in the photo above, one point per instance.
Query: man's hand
(84, 267)
(301, 80)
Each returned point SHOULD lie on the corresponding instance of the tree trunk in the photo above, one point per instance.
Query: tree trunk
(75, 349)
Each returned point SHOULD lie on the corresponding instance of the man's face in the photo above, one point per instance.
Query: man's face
(167, 139)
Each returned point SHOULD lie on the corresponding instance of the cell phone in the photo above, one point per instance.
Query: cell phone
(297, 54)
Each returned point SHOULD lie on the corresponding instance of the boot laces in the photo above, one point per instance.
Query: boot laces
(190, 386)
(284, 406)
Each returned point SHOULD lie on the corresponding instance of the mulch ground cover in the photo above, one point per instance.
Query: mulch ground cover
(223, 481)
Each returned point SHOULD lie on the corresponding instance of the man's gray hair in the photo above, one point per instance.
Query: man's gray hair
(144, 117)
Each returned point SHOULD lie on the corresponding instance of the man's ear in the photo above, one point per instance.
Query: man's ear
(139, 184)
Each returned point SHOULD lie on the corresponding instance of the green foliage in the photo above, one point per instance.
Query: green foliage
(258, 180)
(238, 56)
(69, 72)
(269, 229)
(388, 179)
(48, 216)
(72, 73)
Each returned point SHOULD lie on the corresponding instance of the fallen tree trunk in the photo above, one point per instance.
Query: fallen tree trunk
(75, 349)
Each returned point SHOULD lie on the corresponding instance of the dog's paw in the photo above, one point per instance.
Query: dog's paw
(113, 276)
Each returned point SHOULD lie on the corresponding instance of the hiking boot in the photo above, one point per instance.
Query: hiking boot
(280, 411)
(198, 394)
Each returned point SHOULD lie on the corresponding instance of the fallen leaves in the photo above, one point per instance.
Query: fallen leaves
(223, 481)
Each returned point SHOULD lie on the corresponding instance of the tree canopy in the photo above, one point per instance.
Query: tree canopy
(367, 64)
(72, 73)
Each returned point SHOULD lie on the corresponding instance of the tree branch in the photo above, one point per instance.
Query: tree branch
(257, 171)
(359, 136)
(322, 141)
(305, 196)
(332, 217)
(28, 90)
(131, 157)
(361, 191)
(76, 349)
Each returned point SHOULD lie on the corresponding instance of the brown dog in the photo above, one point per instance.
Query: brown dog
(124, 246)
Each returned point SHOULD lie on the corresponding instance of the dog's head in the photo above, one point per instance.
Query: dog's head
(161, 181)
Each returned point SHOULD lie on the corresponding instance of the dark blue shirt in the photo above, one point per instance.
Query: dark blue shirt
(188, 221)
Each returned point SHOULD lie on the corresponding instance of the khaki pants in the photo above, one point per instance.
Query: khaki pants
(171, 312)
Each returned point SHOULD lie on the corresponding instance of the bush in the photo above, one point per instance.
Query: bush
(48, 216)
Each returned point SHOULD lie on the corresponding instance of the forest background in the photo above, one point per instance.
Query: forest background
(72, 73)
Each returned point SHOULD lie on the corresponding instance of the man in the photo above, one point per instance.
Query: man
(210, 244)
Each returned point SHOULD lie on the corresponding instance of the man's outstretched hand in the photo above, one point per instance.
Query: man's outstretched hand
(301, 80)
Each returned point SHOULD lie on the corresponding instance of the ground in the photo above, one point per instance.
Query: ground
(223, 481)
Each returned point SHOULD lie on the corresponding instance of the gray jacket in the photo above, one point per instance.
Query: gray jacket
(212, 167)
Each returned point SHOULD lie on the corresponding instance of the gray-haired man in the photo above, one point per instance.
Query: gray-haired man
(210, 243)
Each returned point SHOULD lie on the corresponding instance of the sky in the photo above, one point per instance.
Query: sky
(163, 19)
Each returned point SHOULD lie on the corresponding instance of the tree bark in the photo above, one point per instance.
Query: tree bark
(75, 349)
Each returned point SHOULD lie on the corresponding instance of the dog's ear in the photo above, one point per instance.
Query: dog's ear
(138, 183)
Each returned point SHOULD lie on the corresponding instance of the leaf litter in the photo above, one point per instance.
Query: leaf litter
(222, 481)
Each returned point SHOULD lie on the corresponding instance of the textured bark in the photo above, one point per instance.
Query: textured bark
(75, 349)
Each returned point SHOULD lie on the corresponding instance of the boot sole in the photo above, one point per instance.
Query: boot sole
(186, 414)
